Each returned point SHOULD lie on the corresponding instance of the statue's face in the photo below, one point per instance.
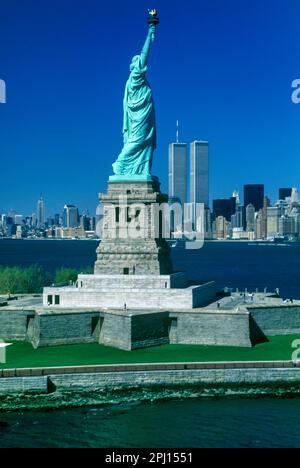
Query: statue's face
(134, 62)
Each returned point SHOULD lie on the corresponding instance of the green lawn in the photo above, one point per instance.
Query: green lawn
(21, 354)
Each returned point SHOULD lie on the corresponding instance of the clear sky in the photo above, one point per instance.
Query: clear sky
(222, 67)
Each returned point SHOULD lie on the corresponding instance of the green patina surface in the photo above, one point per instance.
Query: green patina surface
(139, 126)
(21, 354)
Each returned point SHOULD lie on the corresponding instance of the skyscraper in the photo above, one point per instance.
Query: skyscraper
(40, 212)
(264, 225)
(254, 195)
(237, 220)
(224, 207)
(287, 226)
(199, 184)
(284, 193)
(273, 216)
(294, 195)
(250, 217)
(236, 195)
(177, 171)
(222, 225)
(70, 216)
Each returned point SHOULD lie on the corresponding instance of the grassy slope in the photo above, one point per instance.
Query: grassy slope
(21, 354)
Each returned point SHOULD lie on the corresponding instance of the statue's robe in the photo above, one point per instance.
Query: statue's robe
(139, 128)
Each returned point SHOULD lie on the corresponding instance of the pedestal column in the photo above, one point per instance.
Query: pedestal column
(132, 241)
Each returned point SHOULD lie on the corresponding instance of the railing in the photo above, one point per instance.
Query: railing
(44, 371)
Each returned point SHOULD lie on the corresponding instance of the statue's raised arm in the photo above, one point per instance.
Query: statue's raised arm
(147, 46)
(139, 126)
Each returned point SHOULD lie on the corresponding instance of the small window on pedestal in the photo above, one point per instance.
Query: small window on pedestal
(126, 271)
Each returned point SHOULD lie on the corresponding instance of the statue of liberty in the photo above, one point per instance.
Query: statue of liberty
(139, 127)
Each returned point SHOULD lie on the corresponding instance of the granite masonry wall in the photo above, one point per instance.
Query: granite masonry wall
(175, 377)
(133, 331)
(226, 376)
(211, 328)
(24, 385)
(168, 299)
(277, 320)
(127, 329)
(14, 324)
(65, 328)
(116, 330)
(175, 280)
(150, 330)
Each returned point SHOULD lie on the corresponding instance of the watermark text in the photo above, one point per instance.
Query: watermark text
(296, 353)
(2, 92)
(3, 347)
(296, 92)
(125, 220)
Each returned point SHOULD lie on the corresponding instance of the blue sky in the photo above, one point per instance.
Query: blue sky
(222, 67)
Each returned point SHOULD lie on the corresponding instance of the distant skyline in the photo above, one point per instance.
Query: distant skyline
(223, 68)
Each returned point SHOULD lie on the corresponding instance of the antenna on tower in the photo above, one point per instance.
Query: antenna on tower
(177, 131)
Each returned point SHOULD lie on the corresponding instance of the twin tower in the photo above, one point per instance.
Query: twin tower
(197, 183)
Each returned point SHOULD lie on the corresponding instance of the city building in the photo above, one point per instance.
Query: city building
(33, 220)
(70, 216)
(237, 220)
(264, 228)
(221, 228)
(236, 195)
(177, 174)
(287, 226)
(225, 207)
(19, 219)
(295, 214)
(199, 172)
(19, 232)
(258, 225)
(250, 218)
(284, 193)
(40, 212)
(254, 195)
(273, 215)
(207, 223)
(10, 227)
(294, 196)
(240, 234)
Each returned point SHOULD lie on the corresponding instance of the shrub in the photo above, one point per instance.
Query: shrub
(65, 275)
(18, 280)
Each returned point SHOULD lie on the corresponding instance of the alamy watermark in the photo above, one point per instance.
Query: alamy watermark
(125, 220)
(296, 353)
(2, 92)
(296, 93)
(3, 347)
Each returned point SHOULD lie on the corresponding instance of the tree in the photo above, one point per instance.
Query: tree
(66, 275)
(18, 280)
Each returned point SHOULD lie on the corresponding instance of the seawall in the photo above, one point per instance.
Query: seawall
(91, 385)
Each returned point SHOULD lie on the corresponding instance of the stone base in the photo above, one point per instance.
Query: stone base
(175, 280)
(132, 241)
(136, 329)
(132, 292)
(228, 322)
(133, 178)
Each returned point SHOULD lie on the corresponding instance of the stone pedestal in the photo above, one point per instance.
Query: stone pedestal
(132, 242)
(143, 292)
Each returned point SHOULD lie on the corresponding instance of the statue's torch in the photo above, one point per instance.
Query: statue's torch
(153, 20)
